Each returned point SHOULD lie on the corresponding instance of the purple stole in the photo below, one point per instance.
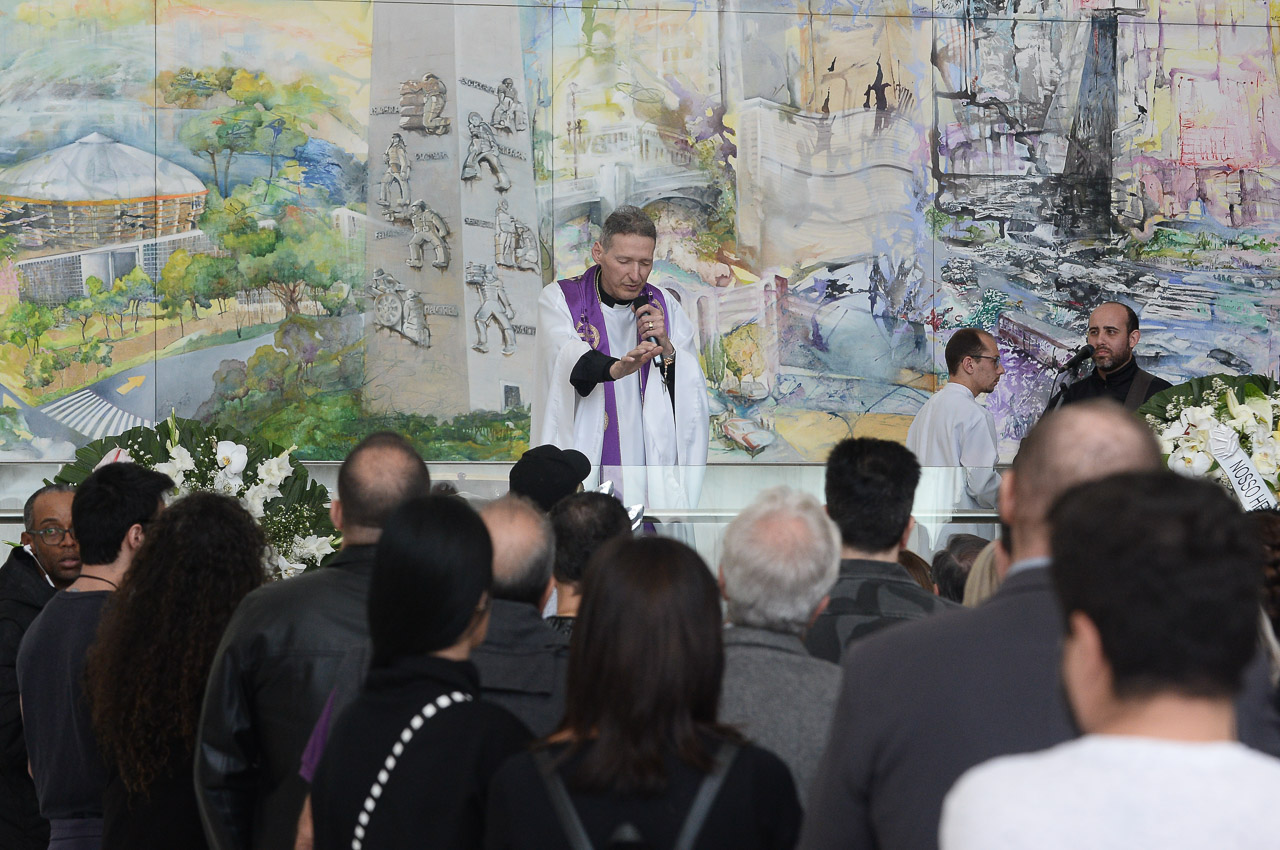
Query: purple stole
(583, 297)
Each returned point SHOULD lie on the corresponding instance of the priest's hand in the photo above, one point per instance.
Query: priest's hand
(634, 359)
(651, 324)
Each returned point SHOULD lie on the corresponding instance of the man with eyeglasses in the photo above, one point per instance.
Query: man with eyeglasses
(47, 561)
(953, 430)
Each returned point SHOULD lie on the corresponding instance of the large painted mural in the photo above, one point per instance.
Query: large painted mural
(318, 218)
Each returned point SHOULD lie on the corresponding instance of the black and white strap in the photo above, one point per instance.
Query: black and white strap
(428, 711)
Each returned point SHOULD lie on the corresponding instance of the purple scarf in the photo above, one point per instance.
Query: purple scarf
(583, 297)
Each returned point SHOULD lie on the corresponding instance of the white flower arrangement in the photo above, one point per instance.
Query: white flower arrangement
(1185, 419)
(289, 506)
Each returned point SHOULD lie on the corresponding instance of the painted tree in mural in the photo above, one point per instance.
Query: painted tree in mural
(262, 117)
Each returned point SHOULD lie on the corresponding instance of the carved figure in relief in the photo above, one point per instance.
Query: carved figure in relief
(494, 307)
(483, 149)
(396, 158)
(509, 114)
(399, 308)
(514, 244)
(422, 104)
(429, 228)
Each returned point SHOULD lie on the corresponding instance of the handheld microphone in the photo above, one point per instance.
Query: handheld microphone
(641, 300)
(1079, 357)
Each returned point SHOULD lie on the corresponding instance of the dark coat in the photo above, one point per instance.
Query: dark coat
(1114, 386)
(867, 597)
(923, 703)
(436, 789)
(756, 807)
(23, 594)
(278, 661)
(523, 663)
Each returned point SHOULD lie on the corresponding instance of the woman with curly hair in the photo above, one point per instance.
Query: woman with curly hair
(146, 673)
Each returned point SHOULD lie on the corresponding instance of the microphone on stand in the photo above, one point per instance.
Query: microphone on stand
(1079, 357)
(641, 300)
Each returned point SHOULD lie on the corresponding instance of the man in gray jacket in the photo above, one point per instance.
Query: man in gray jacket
(779, 560)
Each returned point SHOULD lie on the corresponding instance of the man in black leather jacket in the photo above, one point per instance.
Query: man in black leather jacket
(281, 654)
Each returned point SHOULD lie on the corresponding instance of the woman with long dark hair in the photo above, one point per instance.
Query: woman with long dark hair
(640, 760)
(146, 672)
(408, 763)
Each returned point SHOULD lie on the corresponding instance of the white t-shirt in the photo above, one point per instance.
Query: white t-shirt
(1113, 791)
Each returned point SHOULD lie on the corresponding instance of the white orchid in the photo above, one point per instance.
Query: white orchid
(1266, 458)
(274, 471)
(1242, 417)
(227, 485)
(287, 569)
(1171, 437)
(256, 497)
(1190, 462)
(311, 548)
(231, 457)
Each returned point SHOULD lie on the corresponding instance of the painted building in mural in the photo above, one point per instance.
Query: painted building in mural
(315, 219)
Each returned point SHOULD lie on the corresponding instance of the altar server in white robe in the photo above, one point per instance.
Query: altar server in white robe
(618, 376)
(953, 431)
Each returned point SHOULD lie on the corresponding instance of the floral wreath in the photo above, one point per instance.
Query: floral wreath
(291, 508)
(1222, 427)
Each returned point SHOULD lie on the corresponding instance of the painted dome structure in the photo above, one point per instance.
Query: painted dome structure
(97, 190)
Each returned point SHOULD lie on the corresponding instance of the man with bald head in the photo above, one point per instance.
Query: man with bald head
(287, 646)
(1113, 333)
(523, 660)
(923, 702)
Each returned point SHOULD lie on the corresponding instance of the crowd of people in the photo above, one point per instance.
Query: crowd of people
(533, 674)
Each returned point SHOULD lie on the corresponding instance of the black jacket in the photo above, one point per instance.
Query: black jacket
(435, 793)
(23, 594)
(279, 658)
(523, 664)
(1114, 386)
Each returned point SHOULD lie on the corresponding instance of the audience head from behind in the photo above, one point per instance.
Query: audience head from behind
(581, 524)
(47, 529)
(429, 594)
(1157, 576)
(146, 673)
(918, 568)
(951, 565)
(780, 557)
(377, 476)
(645, 665)
(1067, 447)
(546, 474)
(870, 487)
(111, 510)
(524, 550)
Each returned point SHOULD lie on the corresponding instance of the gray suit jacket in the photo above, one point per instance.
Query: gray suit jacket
(779, 696)
(923, 703)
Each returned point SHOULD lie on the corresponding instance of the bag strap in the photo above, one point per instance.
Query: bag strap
(428, 711)
(565, 813)
(706, 795)
(1137, 390)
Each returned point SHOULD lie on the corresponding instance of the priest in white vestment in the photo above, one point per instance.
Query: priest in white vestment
(956, 436)
(618, 376)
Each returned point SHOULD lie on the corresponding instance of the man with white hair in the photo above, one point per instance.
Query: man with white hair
(781, 556)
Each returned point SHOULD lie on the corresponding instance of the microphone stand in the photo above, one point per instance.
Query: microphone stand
(1074, 371)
